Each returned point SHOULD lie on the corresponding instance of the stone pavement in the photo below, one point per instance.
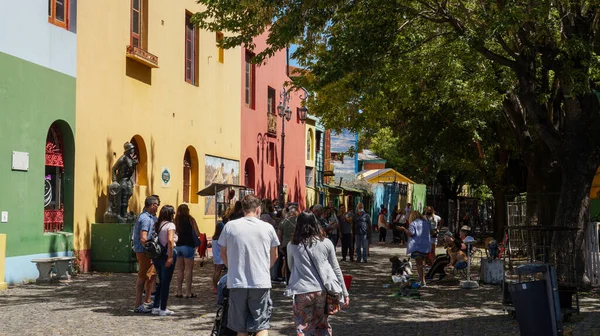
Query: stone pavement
(101, 304)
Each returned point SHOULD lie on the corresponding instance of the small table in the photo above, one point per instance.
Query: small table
(469, 284)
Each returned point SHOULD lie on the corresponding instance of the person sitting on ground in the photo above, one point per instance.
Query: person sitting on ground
(186, 228)
(443, 260)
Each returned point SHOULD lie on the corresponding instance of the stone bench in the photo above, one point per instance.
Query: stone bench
(59, 264)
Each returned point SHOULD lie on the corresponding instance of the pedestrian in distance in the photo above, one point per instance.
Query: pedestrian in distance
(146, 271)
(345, 220)
(188, 236)
(249, 249)
(165, 264)
(315, 272)
(362, 231)
(382, 225)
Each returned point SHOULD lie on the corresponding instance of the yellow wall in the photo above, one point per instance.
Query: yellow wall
(117, 98)
(2, 261)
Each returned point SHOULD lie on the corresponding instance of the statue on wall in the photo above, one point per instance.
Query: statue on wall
(121, 188)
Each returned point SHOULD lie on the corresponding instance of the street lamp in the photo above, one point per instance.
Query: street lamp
(285, 112)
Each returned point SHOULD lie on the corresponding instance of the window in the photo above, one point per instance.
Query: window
(53, 186)
(318, 142)
(271, 101)
(249, 80)
(271, 154)
(136, 23)
(309, 145)
(221, 51)
(191, 51)
(309, 176)
(58, 13)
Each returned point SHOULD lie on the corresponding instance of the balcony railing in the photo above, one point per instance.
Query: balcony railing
(142, 56)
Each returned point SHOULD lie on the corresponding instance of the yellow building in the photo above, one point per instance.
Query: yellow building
(145, 75)
(310, 160)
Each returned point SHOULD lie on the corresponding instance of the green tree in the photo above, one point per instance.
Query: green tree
(540, 56)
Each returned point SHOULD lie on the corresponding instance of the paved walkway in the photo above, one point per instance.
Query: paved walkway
(101, 304)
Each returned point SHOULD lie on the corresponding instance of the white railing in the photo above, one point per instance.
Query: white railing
(592, 241)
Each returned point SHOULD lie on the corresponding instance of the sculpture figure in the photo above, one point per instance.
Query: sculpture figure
(121, 188)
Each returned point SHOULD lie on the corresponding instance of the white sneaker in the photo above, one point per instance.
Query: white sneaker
(155, 311)
(142, 309)
(165, 312)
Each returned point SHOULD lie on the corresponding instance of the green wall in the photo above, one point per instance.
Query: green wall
(32, 97)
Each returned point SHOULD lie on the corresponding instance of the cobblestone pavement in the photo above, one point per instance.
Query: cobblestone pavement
(101, 304)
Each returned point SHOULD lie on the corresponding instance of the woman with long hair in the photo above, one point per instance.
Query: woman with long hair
(419, 241)
(216, 251)
(186, 228)
(315, 272)
(165, 264)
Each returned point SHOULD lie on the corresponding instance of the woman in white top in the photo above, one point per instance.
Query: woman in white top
(165, 264)
(315, 271)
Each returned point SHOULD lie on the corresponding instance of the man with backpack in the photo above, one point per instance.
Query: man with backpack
(146, 272)
(362, 231)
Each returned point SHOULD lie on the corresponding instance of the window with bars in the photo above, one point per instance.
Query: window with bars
(271, 154)
(249, 80)
(58, 13)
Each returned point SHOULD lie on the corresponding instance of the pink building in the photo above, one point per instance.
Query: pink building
(262, 128)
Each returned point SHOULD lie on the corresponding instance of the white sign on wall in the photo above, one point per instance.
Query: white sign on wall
(20, 161)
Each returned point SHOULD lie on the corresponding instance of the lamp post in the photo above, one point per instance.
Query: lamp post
(284, 111)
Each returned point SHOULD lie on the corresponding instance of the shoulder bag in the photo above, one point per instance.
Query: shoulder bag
(152, 246)
(332, 302)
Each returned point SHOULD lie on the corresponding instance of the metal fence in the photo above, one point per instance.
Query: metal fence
(592, 240)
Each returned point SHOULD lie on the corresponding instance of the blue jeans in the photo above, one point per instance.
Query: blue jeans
(362, 243)
(165, 274)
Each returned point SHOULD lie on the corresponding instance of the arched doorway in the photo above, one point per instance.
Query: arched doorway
(141, 172)
(190, 175)
(58, 177)
(249, 174)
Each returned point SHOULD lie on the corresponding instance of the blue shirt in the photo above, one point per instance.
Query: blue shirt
(144, 222)
(421, 239)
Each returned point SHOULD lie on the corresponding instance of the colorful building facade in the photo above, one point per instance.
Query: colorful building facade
(149, 77)
(262, 87)
(37, 103)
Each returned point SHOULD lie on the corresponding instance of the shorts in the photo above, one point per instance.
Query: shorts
(145, 268)
(187, 252)
(249, 309)
(418, 255)
(460, 265)
(216, 251)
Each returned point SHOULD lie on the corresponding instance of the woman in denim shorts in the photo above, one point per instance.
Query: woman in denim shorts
(186, 228)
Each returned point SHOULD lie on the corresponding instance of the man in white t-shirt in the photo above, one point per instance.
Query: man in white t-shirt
(249, 250)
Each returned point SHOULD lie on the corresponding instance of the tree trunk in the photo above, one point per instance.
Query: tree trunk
(578, 171)
(499, 214)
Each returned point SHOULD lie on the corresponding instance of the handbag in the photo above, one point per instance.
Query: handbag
(332, 302)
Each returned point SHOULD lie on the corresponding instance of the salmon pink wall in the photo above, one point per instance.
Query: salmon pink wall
(255, 140)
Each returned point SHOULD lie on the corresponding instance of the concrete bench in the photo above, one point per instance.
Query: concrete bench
(45, 266)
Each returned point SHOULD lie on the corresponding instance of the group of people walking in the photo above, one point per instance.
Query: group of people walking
(257, 244)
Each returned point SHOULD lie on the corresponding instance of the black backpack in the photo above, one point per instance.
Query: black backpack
(152, 246)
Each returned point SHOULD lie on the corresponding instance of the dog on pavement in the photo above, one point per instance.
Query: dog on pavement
(401, 267)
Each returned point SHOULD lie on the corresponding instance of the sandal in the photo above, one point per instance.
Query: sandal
(191, 296)
(178, 295)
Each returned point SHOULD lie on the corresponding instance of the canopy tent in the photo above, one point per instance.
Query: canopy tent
(215, 188)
